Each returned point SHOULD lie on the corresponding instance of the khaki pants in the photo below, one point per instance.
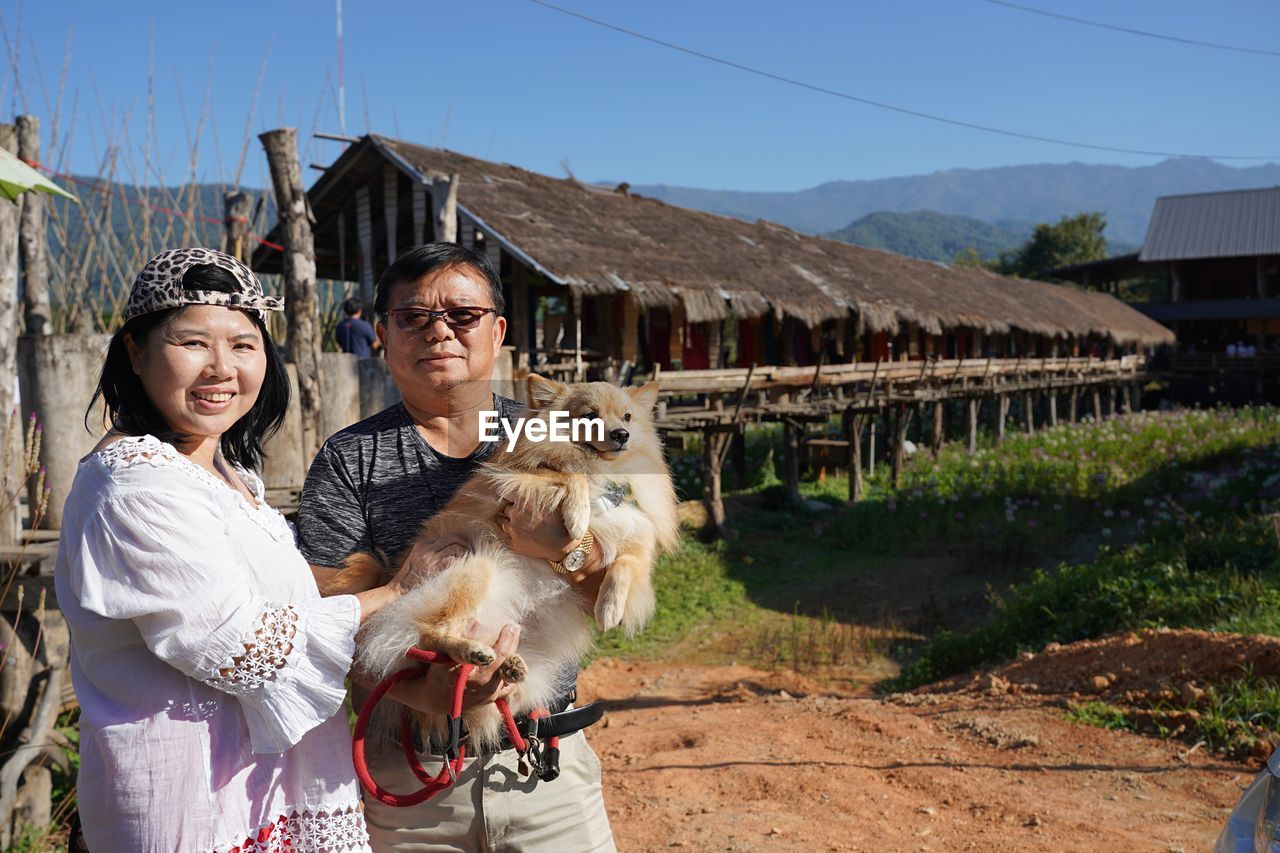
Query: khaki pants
(491, 808)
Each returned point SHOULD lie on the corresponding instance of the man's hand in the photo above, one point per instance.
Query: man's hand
(434, 693)
(543, 536)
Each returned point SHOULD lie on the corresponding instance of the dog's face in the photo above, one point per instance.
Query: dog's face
(626, 413)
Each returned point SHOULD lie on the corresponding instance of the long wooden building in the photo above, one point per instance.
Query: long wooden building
(607, 281)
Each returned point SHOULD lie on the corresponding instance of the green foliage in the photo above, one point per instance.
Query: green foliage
(1101, 714)
(1192, 494)
(693, 586)
(1072, 240)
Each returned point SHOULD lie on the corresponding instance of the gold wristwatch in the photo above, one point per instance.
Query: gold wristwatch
(577, 558)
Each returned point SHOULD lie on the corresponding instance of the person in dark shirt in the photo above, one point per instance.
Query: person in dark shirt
(371, 487)
(355, 335)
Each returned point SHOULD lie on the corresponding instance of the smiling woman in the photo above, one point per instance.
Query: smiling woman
(210, 673)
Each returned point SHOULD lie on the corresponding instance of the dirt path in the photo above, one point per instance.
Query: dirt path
(731, 758)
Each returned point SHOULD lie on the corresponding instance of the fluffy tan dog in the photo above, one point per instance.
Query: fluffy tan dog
(583, 481)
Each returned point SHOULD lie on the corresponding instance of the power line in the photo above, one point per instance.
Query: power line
(1132, 31)
(884, 106)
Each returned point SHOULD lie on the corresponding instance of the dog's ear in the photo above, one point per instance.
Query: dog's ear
(645, 396)
(543, 392)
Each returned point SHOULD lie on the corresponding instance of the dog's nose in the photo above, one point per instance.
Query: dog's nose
(620, 436)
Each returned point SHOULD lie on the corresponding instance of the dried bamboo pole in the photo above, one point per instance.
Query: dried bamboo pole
(299, 277)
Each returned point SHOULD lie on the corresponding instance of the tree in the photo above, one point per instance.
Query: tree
(1073, 240)
(968, 258)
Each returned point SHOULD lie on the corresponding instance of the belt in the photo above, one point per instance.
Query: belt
(561, 721)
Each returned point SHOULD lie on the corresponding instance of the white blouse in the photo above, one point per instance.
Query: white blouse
(209, 671)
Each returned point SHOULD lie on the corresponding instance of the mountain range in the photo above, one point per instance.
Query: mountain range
(1017, 194)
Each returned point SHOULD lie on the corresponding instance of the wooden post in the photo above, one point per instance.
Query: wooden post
(1029, 411)
(419, 214)
(444, 208)
(10, 523)
(853, 434)
(1073, 407)
(391, 207)
(1126, 398)
(899, 440)
(871, 446)
(972, 404)
(1002, 414)
(1053, 408)
(713, 445)
(364, 236)
(936, 444)
(37, 312)
(792, 433)
(236, 207)
(301, 314)
(1111, 400)
(1097, 404)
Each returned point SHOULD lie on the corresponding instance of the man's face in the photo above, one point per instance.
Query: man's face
(438, 358)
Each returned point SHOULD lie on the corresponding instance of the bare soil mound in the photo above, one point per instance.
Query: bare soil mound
(733, 758)
(1133, 665)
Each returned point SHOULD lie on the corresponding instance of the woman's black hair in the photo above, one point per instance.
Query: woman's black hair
(132, 412)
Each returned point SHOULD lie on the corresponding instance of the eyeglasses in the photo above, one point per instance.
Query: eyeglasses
(417, 319)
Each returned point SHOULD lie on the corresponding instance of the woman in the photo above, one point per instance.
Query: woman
(210, 673)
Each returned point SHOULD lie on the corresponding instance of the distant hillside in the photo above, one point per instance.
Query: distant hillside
(931, 235)
(1039, 193)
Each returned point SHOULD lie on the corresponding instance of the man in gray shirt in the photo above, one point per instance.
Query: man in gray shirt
(370, 488)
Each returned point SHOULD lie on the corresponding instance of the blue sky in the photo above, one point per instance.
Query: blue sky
(511, 81)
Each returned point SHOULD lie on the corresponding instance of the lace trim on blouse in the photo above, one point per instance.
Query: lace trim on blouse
(266, 652)
(337, 830)
(150, 450)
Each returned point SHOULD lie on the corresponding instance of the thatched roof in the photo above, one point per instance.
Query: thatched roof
(601, 241)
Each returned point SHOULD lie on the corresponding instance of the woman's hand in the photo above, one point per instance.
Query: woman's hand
(433, 694)
(426, 559)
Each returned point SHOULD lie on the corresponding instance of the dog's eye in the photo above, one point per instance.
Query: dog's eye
(626, 418)
(591, 416)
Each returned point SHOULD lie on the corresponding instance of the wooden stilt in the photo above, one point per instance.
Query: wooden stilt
(792, 434)
(1097, 404)
(899, 442)
(1053, 409)
(712, 452)
(972, 405)
(1002, 414)
(871, 446)
(1073, 408)
(853, 434)
(1029, 411)
(936, 445)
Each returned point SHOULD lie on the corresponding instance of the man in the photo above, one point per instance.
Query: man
(355, 335)
(439, 319)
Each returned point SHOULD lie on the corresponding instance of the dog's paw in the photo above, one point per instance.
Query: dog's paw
(514, 669)
(610, 606)
(469, 651)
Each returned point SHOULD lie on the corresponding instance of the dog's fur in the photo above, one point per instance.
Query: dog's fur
(493, 585)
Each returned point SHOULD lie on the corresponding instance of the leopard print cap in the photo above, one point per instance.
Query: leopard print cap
(159, 285)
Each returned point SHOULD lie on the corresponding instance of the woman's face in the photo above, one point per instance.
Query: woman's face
(202, 368)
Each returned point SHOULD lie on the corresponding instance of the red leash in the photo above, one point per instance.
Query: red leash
(455, 752)
(452, 765)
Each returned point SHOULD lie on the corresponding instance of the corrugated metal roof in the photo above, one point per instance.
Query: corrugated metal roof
(1210, 309)
(1240, 223)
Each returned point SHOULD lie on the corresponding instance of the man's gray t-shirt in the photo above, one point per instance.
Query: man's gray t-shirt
(373, 484)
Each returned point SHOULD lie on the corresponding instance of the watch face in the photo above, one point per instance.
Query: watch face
(575, 560)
